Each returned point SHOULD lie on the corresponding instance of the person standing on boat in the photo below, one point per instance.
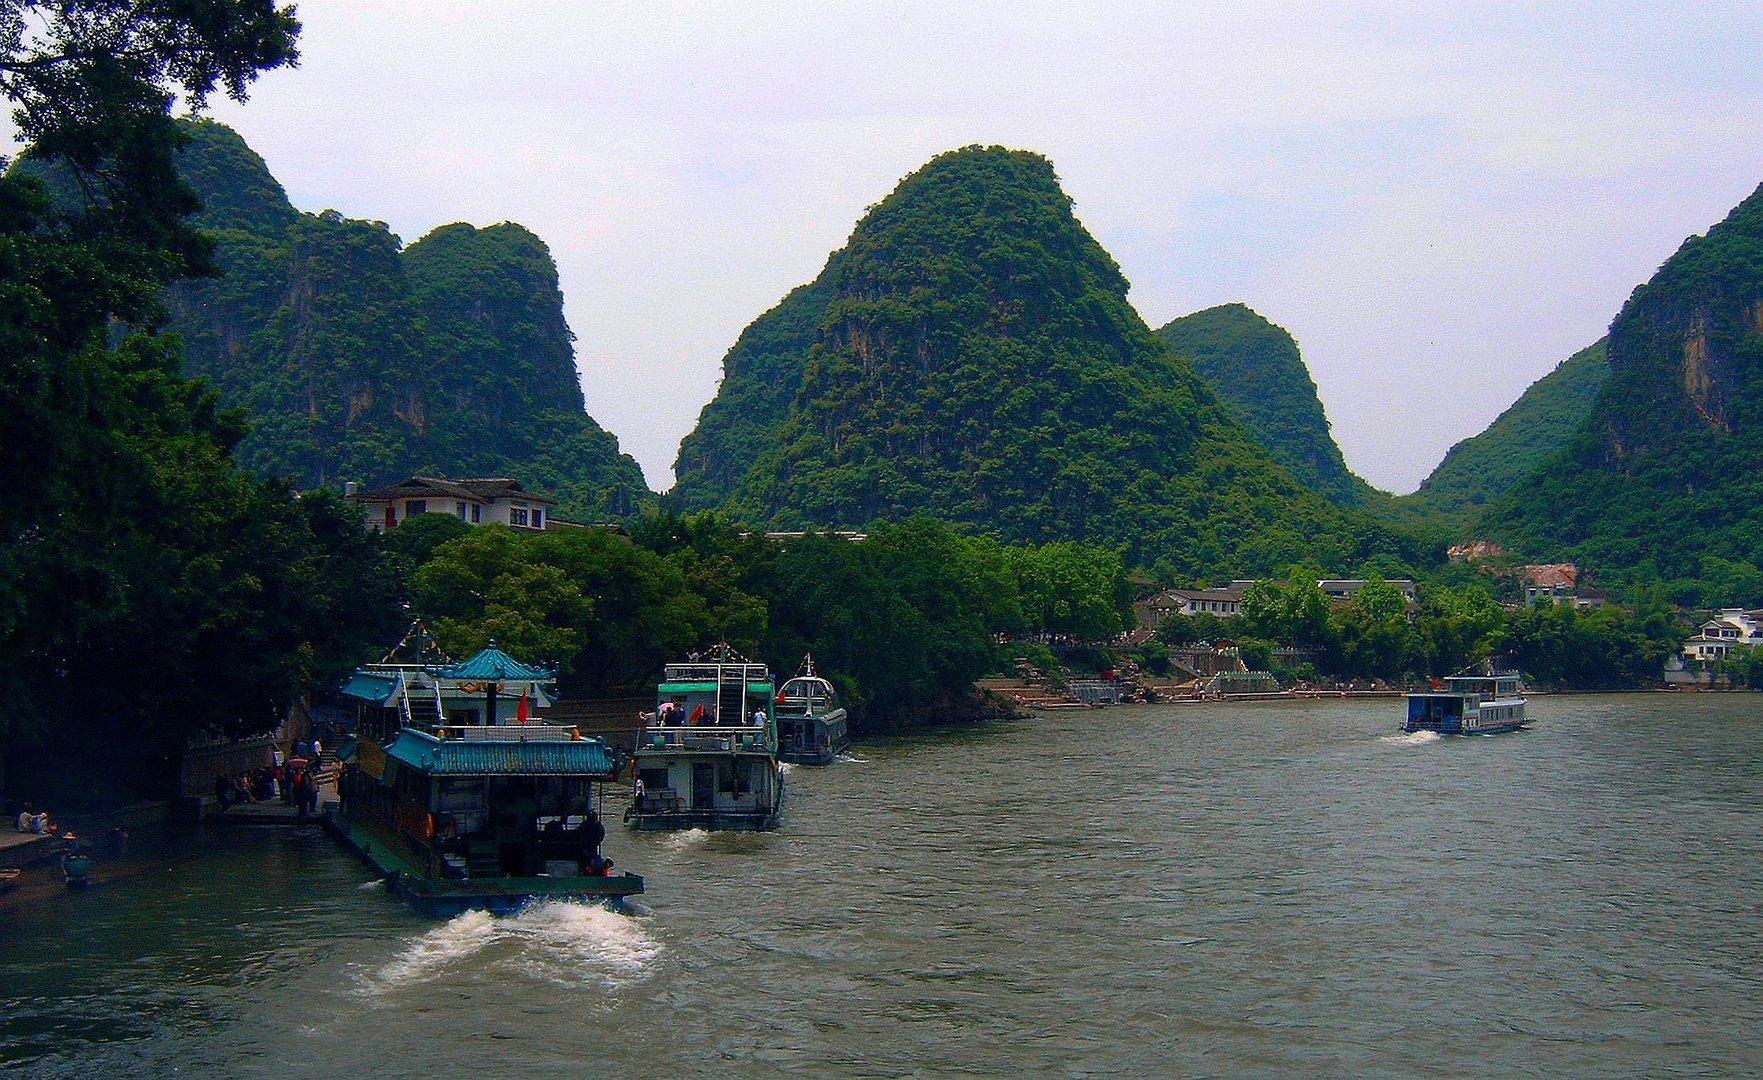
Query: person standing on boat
(759, 718)
(593, 834)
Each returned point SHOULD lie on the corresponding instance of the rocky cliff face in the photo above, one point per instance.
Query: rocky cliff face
(362, 360)
(1668, 467)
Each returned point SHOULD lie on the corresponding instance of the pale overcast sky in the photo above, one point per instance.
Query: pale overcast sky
(1440, 201)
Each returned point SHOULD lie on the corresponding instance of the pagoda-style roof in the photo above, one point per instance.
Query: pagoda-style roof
(547, 756)
(494, 665)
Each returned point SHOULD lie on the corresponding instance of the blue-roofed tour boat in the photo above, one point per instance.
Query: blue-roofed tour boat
(811, 727)
(706, 758)
(462, 800)
(1484, 704)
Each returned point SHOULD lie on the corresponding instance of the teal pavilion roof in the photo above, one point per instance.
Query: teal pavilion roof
(494, 665)
(460, 757)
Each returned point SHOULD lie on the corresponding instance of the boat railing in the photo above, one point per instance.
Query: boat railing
(705, 737)
(508, 732)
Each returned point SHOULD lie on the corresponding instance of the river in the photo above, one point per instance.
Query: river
(1272, 889)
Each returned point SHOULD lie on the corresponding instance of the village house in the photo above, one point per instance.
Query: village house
(492, 501)
(1716, 638)
(1344, 588)
(1225, 602)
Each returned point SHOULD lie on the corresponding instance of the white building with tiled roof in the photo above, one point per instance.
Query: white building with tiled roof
(1717, 637)
(488, 501)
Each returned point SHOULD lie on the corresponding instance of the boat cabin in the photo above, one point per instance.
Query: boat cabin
(811, 726)
(707, 756)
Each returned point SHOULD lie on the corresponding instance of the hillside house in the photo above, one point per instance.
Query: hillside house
(1716, 638)
(1225, 602)
(1556, 583)
(494, 501)
(1344, 588)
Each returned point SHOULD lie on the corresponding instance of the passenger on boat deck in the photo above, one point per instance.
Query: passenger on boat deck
(759, 718)
(594, 833)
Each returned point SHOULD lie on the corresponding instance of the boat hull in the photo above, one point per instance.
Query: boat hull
(446, 897)
(677, 820)
(807, 757)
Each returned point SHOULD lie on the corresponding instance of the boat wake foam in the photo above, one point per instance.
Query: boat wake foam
(685, 838)
(1411, 738)
(566, 944)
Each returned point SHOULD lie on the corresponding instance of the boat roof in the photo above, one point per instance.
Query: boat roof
(553, 755)
(707, 687)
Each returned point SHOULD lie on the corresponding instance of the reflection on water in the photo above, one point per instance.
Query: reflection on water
(1278, 889)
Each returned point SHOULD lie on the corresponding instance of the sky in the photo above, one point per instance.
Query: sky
(1439, 201)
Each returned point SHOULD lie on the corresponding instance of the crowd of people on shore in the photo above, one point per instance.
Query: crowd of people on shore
(292, 779)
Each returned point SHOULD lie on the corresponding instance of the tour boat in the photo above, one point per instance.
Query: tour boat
(810, 720)
(707, 757)
(1485, 704)
(470, 808)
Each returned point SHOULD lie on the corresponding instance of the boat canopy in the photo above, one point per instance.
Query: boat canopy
(380, 688)
(552, 756)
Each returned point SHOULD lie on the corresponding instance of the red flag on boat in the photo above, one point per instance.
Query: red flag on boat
(520, 710)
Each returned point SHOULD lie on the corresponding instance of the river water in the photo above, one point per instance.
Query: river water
(1260, 889)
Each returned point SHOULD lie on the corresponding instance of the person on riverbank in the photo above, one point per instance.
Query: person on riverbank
(32, 821)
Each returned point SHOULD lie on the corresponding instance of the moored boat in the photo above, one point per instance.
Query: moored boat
(706, 758)
(811, 728)
(1484, 704)
(462, 806)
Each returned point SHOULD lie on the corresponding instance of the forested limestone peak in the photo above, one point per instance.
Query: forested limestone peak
(1256, 368)
(362, 360)
(970, 353)
(1480, 469)
(1667, 469)
(233, 182)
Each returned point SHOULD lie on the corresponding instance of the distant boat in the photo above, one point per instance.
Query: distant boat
(810, 721)
(1484, 704)
(707, 757)
(478, 809)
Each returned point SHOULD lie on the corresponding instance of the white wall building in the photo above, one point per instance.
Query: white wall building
(493, 501)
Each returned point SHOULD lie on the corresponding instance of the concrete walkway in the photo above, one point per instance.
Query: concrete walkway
(23, 849)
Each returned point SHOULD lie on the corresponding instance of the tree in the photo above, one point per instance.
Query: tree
(137, 603)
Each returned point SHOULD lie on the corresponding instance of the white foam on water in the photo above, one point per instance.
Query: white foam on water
(1411, 738)
(368, 886)
(569, 944)
(575, 944)
(433, 951)
(685, 838)
(848, 758)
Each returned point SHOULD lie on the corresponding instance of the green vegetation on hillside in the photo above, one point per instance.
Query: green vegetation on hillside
(362, 360)
(1479, 470)
(1255, 367)
(1664, 478)
(970, 354)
